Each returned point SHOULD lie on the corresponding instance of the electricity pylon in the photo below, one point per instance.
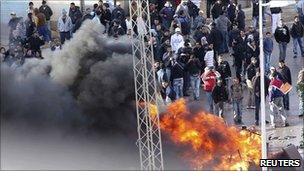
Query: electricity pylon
(149, 136)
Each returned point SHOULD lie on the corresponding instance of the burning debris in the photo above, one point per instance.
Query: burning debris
(207, 141)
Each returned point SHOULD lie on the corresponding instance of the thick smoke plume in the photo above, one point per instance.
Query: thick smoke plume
(89, 82)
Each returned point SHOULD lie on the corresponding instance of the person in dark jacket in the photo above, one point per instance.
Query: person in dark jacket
(177, 78)
(215, 37)
(30, 25)
(199, 53)
(166, 14)
(75, 15)
(252, 51)
(223, 68)
(239, 53)
(210, 3)
(35, 42)
(167, 93)
(257, 92)
(217, 9)
(194, 68)
(240, 18)
(219, 96)
(47, 11)
(116, 30)
(286, 75)
(296, 33)
(268, 48)
(231, 11)
(251, 69)
(255, 13)
(105, 17)
(282, 36)
(184, 23)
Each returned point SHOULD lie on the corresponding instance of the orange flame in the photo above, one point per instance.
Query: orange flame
(210, 143)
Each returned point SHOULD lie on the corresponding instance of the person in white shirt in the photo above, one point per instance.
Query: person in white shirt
(209, 56)
(177, 40)
(64, 26)
(128, 23)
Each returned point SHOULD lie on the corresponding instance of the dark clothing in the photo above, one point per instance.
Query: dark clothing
(255, 8)
(34, 43)
(216, 10)
(30, 28)
(231, 11)
(105, 17)
(224, 69)
(240, 19)
(275, 10)
(285, 73)
(75, 14)
(193, 9)
(233, 35)
(116, 31)
(219, 94)
(47, 11)
(257, 85)
(185, 25)
(177, 71)
(268, 45)
(215, 37)
(194, 67)
(296, 30)
(251, 70)
(281, 34)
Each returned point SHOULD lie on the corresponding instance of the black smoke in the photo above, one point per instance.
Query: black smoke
(89, 83)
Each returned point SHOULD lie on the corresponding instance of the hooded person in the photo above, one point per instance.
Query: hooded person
(282, 36)
(64, 26)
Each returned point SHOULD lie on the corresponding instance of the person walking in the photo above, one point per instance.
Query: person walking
(223, 68)
(268, 48)
(255, 13)
(166, 14)
(286, 75)
(236, 90)
(257, 93)
(300, 91)
(282, 37)
(276, 16)
(296, 32)
(41, 25)
(251, 71)
(219, 96)
(240, 18)
(223, 24)
(194, 69)
(177, 78)
(209, 79)
(215, 37)
(47, 11)
(276, 100)
(64, 26)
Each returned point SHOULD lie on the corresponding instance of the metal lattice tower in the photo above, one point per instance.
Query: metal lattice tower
(149, 136)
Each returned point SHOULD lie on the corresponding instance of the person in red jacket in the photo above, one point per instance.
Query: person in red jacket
(209, 78)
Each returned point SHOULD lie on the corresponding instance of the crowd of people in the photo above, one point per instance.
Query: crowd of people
(191, 49)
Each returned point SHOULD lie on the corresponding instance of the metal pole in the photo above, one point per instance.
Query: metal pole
(262, 81)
